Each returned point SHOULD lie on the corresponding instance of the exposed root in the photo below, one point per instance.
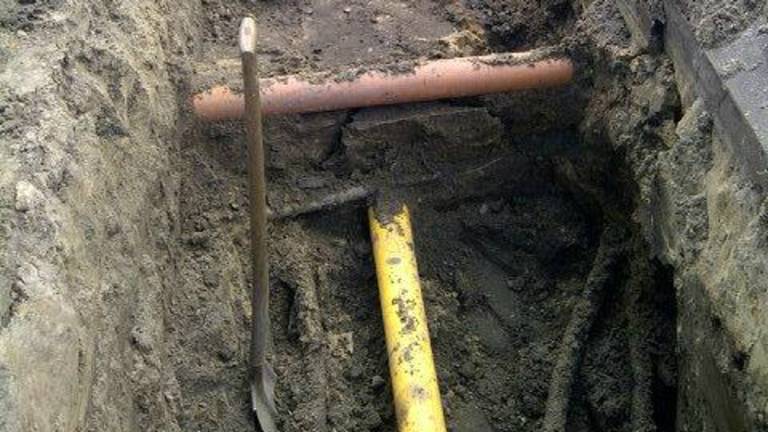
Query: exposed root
(346, 196)
(612, 246)
(363, 193)
(640, 357)
(306, 324)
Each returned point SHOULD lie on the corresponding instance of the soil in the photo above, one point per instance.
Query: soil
(511, 195)
(506, 235)
(719, 21)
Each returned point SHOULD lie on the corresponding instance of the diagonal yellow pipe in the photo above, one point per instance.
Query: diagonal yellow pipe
(414, 380)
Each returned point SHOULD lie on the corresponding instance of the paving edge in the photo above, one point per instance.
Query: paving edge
(733, 82)
(731, 79)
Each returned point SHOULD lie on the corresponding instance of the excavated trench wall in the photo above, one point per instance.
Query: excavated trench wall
(91, 100)
(89, 110)
(704, 203)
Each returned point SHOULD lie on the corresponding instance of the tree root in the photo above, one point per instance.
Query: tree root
(346, 196)
(311, 411)
(640, 325)
(612, 247)
(364, 193)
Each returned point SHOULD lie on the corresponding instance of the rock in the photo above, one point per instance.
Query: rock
(226, 353)
(470, 418)
(141, 340)
(342, 344)
(199, 240)
(312, 182)
(354, 372)
(39, 356)
(211, 278)
(27, 196)
(113, 228)
(468, 370)
(377, 382)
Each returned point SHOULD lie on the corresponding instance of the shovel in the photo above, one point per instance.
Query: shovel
(262, 375)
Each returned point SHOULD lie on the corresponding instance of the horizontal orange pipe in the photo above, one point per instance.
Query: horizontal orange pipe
(431, 80)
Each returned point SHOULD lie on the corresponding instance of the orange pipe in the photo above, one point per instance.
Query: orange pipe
(431, 80)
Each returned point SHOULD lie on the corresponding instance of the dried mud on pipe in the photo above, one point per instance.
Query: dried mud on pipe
(226, 71)
(434, 80)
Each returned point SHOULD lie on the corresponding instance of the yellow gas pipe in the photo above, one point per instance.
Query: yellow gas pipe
(412, 369)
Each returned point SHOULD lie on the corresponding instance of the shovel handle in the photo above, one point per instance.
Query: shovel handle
(262, 384)
(257, 194)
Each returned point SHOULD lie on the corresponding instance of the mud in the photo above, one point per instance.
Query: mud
(550, 306)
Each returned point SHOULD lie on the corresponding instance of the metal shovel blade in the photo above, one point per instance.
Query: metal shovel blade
(263, 398)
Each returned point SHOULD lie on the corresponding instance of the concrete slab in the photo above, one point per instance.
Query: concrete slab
(733, 81)
(742, 67)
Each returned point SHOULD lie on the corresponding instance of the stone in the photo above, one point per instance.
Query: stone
(470, 418)
(27, 196)
(377, 382)
(342, 344)
(50, 349)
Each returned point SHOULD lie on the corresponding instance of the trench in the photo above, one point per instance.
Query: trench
(591, 256)
(544, 309)
(506, 248)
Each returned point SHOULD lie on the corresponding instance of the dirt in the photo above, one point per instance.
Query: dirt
(720, 21)
(522, 25)
(505, 240)
(498, 292)
(515, 201)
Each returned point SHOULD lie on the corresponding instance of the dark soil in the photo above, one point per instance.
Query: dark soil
(522, 25)
(508, 207)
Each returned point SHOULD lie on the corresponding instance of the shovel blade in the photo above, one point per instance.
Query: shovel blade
(263, 398)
